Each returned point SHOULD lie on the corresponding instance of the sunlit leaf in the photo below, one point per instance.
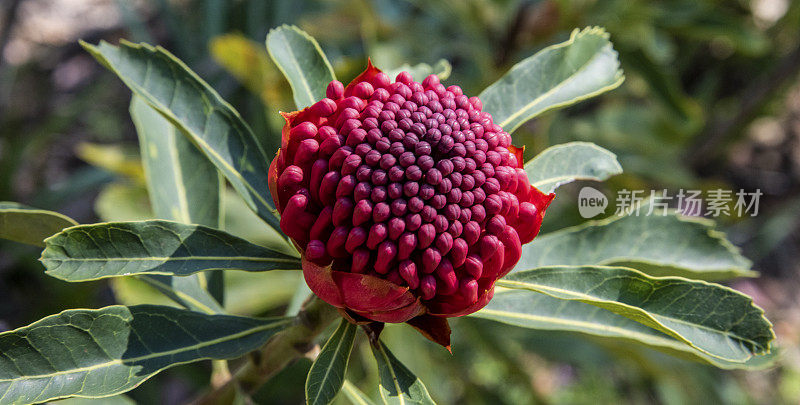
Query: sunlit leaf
(115, 400)
(355, 395)
(716, 320)
(103, 250)
(302, 62)
(24, 224)
(565, 163)
(326, 376)
(533, 310)
(190, 292)
(398, 385)
(183, 186)
(245, 224)
(123, 201)
(97, 353)
(248, 61)
(660, 245)
(114, 158)
(560, 75)
(251, 293)
(177, 93)
(420, 71)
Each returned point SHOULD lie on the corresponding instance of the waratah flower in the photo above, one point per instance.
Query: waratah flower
(406, 201)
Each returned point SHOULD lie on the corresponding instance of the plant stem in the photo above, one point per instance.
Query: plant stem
(290, 344)
(284, 348)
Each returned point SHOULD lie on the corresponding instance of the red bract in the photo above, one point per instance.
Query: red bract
(405, 199)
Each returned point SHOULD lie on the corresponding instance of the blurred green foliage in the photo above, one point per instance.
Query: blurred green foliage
(699, 72)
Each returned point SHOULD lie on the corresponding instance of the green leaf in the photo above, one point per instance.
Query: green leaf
(191, 292)
(326, 376)
(247, 293)
(245, 224)
(659, 245)
(249, 63)
(135, 291)
(117, 159)
(355, 395)
(565, 163)
(398, 384)
(189, 103)
(420, 71)
(24, 224)
(300, 295)
(103, 250)
(302, 62)
(533, 310)
(715, 320)
(115, 400)
(123, 201)
(97, 353)
(257, 293)
(557, 76)
(183, 186)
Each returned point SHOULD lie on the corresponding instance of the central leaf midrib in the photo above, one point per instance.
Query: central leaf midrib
(200, 345)
(588, 325)
(306, 84)
(549, 92)
(578, 295)
(395, 380)
(339, 345)
(172, 259)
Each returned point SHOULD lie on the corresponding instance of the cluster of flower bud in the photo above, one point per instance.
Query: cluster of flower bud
(407, 182)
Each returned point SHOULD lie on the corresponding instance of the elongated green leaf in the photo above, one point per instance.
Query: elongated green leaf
(244, 223)
(189, 291)
(124, 202)
(300, 295)
(533, 310)
(116, 158)
(90, 252)
(177, 93)
(355, 395)
(24, 224)
(247, 293)
(115, 400)
(182, 185)
(582, 67)
(398, 384)
(302, 62)
(326, 376)
(660, 245)
(420, 71)
(96, 353)
(249, 63)
(565, 163)
(713, 319)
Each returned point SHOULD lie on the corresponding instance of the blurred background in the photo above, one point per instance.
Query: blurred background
(711, 100)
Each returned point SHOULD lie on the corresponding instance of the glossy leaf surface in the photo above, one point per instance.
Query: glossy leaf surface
(95, 353)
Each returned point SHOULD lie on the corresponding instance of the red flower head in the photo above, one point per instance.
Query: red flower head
(405, 199)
